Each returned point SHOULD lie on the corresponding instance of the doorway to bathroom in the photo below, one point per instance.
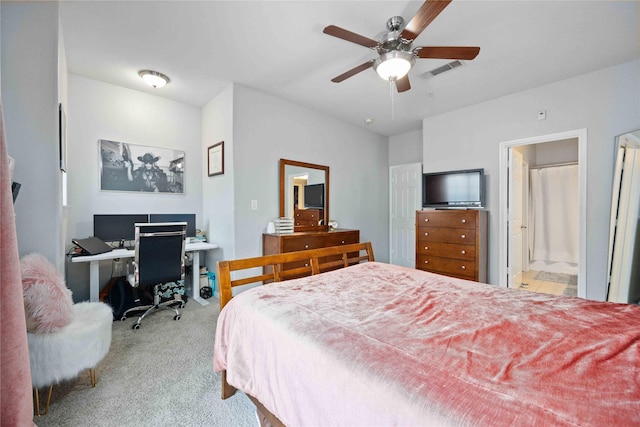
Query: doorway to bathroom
(543, 213)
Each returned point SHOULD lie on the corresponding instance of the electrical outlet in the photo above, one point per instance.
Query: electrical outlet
(254, 205)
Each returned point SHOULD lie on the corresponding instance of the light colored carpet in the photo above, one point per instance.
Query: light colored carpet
(159, 375)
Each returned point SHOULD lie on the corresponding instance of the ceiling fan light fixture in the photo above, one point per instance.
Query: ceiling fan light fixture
(394, 65)
(153, 78)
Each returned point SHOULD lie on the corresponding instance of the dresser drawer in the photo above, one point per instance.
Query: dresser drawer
(302, 243)
(446, 235)
(308, 214)
(447, 266)
(339, 239)
(450, 219)
(447, 250)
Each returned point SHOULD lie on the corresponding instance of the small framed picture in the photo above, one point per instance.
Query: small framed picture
(215, 159)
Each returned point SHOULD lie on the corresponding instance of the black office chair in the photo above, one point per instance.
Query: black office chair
(159, 259)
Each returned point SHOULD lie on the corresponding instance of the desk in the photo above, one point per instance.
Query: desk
(94, 267)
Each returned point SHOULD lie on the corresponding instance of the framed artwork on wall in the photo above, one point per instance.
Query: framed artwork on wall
(139, 168)
(215, 159)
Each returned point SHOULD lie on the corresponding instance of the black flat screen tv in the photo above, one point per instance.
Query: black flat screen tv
(117, 227)
(190, 219)
(453, 189)
(314, 196)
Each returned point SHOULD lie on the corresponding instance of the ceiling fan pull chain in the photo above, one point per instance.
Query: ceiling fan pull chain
(392, 90)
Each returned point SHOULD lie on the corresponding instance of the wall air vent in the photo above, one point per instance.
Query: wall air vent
(442, 69)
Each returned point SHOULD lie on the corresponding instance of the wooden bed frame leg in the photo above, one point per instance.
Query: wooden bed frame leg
(227, 390)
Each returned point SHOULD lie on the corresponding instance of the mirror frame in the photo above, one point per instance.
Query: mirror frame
(283, 164)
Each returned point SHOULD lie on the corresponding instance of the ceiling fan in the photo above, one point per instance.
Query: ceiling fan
(396, 55)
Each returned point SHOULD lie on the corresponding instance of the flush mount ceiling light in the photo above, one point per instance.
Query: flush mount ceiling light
(394, 65)
(154, 78)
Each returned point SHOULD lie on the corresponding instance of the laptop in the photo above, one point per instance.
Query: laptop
(92, 246)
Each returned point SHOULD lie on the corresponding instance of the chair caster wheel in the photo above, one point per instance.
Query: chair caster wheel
(135, 326)
(123, 318)
(176, 317)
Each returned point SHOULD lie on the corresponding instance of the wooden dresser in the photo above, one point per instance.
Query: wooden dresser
(300, 241)
(452, 243)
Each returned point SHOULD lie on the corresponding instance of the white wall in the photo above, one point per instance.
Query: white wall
(405, 148)
(99, 110)
(267, 129)
(30, 95)
(217, 190)
(604, 102)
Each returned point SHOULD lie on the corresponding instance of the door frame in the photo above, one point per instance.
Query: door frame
(503, 251)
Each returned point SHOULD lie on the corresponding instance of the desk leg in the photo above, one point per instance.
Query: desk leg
(94, 281)
(195, 276)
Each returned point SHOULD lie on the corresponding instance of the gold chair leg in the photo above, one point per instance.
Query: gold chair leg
(37, 400)
(93, 376)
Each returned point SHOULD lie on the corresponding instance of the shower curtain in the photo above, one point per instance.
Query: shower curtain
(553, 222)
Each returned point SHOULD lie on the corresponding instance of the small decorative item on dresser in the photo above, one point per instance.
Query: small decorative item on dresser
(333, 224)
(283, 225)
(271, 227)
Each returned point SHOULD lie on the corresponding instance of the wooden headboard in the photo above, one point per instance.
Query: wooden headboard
(319, 260)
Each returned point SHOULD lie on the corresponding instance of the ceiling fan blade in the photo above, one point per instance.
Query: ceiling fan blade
(349, 36)
(352, 72)
(403, 84)
(447, 52)
(427, 13)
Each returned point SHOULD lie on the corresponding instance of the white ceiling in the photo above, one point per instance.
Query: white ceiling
(278, 47)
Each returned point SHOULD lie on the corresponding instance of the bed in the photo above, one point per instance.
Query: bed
(376, 344)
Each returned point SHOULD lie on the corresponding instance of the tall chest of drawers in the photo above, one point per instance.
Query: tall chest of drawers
(452, 243)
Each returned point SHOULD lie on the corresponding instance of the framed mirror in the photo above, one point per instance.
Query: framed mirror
(304, 194)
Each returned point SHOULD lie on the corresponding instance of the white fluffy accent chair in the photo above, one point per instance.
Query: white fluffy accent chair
(65, 353)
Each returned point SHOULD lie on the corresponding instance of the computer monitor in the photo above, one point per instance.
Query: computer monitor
(117, 227)
(190, 219)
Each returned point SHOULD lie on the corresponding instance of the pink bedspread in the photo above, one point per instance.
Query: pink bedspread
(376, 344)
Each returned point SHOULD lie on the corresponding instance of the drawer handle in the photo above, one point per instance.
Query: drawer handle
(426, 248)
(463, 236)
(426, 234)
(306, 246)
(463, 252)
(426, 262)
(426, 220)
(306, 265)
(464, 221)
(463, 267)
(342, 241)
